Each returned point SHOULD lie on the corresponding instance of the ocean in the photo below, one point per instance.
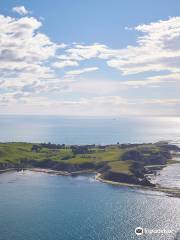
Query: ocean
(40, 206)
(88, 130)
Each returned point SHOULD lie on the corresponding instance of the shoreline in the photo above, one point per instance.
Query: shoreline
(8, 170)
(171, 192)
(49, 171)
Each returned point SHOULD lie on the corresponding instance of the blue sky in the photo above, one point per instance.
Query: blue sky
(95, 20)
(90, 58)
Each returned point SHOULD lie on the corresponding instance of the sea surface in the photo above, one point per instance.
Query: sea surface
(39, 206)
(88, 130)
(170, 175)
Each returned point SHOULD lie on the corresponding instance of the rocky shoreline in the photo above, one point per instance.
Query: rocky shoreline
(171, 192)
(126, 164)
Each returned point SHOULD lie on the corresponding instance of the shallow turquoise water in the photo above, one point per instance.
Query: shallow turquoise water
(38, 206)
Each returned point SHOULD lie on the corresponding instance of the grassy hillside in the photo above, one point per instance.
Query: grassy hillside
(15, 152)
(129, 159)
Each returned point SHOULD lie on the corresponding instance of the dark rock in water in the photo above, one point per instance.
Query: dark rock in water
(146, 182)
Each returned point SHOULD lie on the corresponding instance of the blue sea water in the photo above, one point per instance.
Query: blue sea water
(38, 206)
(83, 130)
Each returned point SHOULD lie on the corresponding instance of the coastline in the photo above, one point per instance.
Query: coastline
(171, 192)
(130, 165)
(49, 171)
(7, 170)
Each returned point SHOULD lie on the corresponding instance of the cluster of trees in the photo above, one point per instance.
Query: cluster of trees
(147, 156)
(128, 145)
(76, 149)
(84, 149)
(37, 147)
(53, 145)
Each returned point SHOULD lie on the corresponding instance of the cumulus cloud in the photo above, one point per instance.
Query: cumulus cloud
(81, 71)
(20, 10)
(83, 52)
(33, 68)
(94, 106)
(65, 63)
(93, 86)
(24, 54)
(28, 59)
(165, 102)
(21, 45)
(157, 49)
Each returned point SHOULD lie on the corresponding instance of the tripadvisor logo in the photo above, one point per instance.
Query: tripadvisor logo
(139, 231)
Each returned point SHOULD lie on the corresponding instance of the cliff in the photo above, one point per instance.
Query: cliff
(120, 163)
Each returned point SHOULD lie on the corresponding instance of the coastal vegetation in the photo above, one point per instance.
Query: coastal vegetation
(127, 163)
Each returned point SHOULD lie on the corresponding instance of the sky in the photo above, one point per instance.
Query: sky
(90, 58)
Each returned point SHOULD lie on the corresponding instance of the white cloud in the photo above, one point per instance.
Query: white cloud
(81, 71)
(28, 58)
(30, 63)
(157, 49)
(95, 106)
(158, 80)
(20, 10)
(164, 102)
(25, 54)
(97, 87)
(83, 52)
(65, 63)
(20, 43)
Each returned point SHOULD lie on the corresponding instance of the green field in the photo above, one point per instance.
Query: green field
(15, 152)
(118, 158)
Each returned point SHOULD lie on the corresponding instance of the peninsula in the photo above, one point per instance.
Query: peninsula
(118, 163)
